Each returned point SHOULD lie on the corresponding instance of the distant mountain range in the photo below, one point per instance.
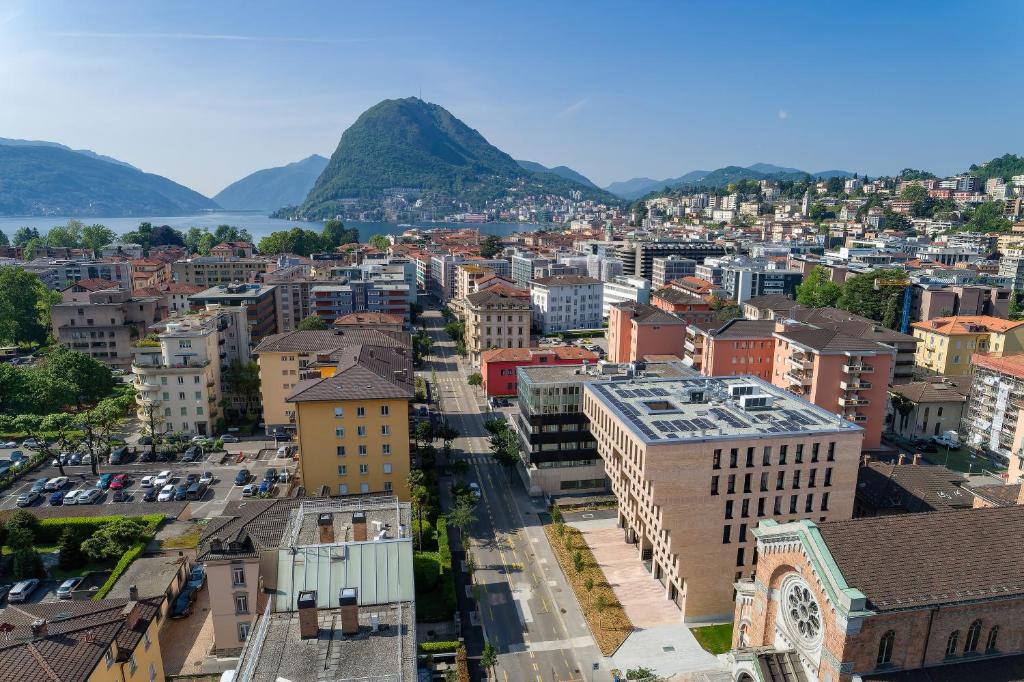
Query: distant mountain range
(560, 171)
(638, 187)
(273, 188)
(418, 147)
(47, 178)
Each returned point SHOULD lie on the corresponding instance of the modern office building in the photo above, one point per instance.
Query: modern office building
(564, 302)
(744, 282)
(624, 290)
(667, 268)
(697, 463)
(638, 257)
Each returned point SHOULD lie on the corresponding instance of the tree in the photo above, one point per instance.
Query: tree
(92, 379)
(243, 381)
(1013, 309)
(490, 246)
(505, 447)
(23, 235)
(896, 221)
(861, 297)
(817, 290)
(447, 433)
(99, 425)
(988, 217)
(95, 237)
(423, 433)
(914, 193)
(21, 520)
(296, 240)
(725, 309)
(24, 307)
(334, 234)
(26, 563)
(4, 241)
(70, 549)
(903, 406)
(312, 323)
(489, 659)
(455, 330)
(419, 495)
(461, 517)
(68, 235)
(475, 379)
(152, 424)
(114, 539)
(641, 674)
(379, 242)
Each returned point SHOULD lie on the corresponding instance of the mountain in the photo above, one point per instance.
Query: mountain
(768, 168)
(42, 143)
(51, 180)
(1005, 167)
(826, 174)
(560, 171)
(272, 188)
(422, 150)
(634, 188)
(638, 187)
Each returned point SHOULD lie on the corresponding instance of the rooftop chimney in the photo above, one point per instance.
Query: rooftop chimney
(902, 459)
(132, 613)
(309, 628)
(349, 603)
(216, 545)
(133, 592)
(359, 526)
(916, 459)
(39, 628)
(866, 460)
(325, 522)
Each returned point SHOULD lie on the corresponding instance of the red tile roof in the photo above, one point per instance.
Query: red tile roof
(526, 354)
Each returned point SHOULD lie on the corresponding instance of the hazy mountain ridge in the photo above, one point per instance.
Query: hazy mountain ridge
(638, 187)
(273, 188)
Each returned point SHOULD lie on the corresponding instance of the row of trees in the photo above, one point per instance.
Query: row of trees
(73, 234)
(877, 295)
(65, 379)
(305, 242)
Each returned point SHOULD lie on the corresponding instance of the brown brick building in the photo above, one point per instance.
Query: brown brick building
(936, 596)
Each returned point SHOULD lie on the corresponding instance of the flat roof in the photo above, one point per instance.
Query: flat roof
(550, 374)
(674, 410)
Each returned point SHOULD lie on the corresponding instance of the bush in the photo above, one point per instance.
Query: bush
(426, 569)
(50, 530)
(126, 560)
(25, 563)
(444, 551)
(22, 519)
(438, 647)
(70, 549)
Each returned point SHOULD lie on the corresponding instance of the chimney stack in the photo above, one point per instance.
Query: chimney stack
(132, 613)
(133, 592)
(349, 610)
(865, 460)
(902, 459)
(917, 459)
(216, 545)
(309, 628)
(359, 526)
(325, 522)
(39, 628)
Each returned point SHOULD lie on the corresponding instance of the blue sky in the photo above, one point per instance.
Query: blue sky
(205, 93)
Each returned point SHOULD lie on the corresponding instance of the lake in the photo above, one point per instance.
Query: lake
(258, 224)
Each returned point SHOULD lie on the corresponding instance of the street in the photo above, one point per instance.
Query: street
(528, 611)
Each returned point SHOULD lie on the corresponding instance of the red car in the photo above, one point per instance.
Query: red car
(120, 481)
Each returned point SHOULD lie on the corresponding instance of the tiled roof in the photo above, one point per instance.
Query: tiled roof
(744, 329)
(847, 323)
(252, 525)
(771, 302)
(368, 318)
(889, 487)
(363, 373)
(178, 288)
(95, 284)
(998, 495)
(1008, 364)
(493, 296)
(524, 354)
(330, 340)
(960, 324)
(944, 390)
(831, 341)
(673, 295)
(566, 280)
(940, 557)
(644, 313)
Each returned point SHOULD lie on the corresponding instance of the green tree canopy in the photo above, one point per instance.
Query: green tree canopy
(335, 234)
(817, 290)
(490, 246)
(379, 242)
(914, 193)
(861, 297)
(92, 379)
(23, 235)
(24, 306)
(987, 217)
(95, 237)
(114, 539)
(4, 241)
(312, 323)
(296, 240)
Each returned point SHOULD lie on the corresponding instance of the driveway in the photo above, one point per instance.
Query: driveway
(186, 642)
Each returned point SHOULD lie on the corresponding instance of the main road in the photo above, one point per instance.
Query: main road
(526, 609)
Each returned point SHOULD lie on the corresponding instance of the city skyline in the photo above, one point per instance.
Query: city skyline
(206, 95)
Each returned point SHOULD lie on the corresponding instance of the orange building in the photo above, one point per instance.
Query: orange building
(636, 330)
(738, 347)
(688, 304)
(841, 373)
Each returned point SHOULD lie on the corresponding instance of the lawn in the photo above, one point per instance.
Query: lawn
(435, 591)
(961, 459)
(716, 639)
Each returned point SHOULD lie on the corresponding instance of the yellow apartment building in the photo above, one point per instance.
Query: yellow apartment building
(352, 422)
(948, 342)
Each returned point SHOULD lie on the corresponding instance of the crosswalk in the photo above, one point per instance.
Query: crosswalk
(479, 459)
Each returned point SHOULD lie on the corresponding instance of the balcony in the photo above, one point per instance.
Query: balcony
(799, 362)
(847, 401)
(854, 385)
(159, 367)
(798, 379)
(858, 368)
(690, 345)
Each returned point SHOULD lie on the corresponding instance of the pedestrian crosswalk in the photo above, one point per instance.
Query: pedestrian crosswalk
(479, 459)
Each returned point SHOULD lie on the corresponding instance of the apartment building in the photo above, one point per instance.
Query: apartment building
(379, 321)
(179, 379)
(150, 272)
(209, 271)
(883, 598)
(929, 301)
(947, 343)
(177, 296)
(268, 562)
(636, 331)
(697, 463)
(688, 305)
(668, 268)
(744, 282)
(331, 301)
(292, 300)
(843, 374)
(257, 299)
(498, 365)
(58, 273)
(104, 323)
(352, 422)
(735, 348)
(442, 273)
(992, 413)
(564, 302)
(287, 358)
(624, 290)
(525, 267)
(495, 318)
(638, 257)
(466, 276)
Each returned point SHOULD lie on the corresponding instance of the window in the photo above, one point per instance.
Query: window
(384, 410)
(728, 509)
(766, 456)
(799, 458)
(362, 451)
(796, 480)
(360, 411)
(726, 535)
(824, 502)
(814, 452)
(745, 509)
(746, 483)
(387, 486)
(361, 430)
(714, 485)
(750, 457)
(385, 430)
(991, 644)
(108, 656)
(783, 449)
(973, 635)
(811, 475)
(343, 488)
(885, 648)
(339, 412)
(733, 457)
(764, 481)
(792, 503)
(739, 556)
(341, 450)
(342, 470)
(146, 641)
(809, 504)
(828, 477)
(364, 487)
(364, 469)
(716, 463)
(760, 506)
(339, 432)
(731, 487)
(387, 468)
(743, 533)
(780, 480)
(385, 449)
(152, 672)
(241, 603)
(831, 456)
(777, 509)
(238, 575)
(951, 643)
(243, 632)
(132, 665)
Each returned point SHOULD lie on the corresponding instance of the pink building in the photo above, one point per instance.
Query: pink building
(738, 347)
(636, 330)
(498, 365)
(840, 373)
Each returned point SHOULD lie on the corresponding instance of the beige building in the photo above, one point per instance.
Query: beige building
(208, 271)
(466, 276)
(697, 463)
(922, 409)
(105, 323)
(179, 378)
(495, 318)
(285, 359)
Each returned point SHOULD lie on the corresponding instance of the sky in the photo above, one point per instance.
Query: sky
(205, 93)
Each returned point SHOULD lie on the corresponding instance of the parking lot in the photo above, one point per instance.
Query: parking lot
(223, 467)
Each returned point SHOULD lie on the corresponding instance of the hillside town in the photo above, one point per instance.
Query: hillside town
(767, 431)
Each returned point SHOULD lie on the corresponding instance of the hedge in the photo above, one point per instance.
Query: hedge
(438, 647)
(444, 551)
(126, 560)
(48, 531)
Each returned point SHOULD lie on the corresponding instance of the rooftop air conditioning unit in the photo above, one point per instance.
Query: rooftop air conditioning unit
(755, 402)
(737, 390)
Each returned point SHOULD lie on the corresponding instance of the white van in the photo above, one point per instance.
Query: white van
(22, 591)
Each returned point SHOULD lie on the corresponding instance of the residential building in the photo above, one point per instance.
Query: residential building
(638, 257)
(331, 301)
(745, 282)
(1011, 266)
(111, 640)
(105, 324)
(883, 599)
(843, 374)
(604, 268)
(697, 463)
(737, 347)
(685, 304)
(637, 330)
(258, 300)
(292, 300)
(150, 272)
(525, 267)
(352, 422)
(767, 307)
(993, 409)
(209, 271)
(947, 343)
(667, 268)
(466, 276)
(79, 291)
(624, 290)
(495, 318)
(442, 272)
(177, 296)
(58, 273)
(232, 249)
(285, 359)
(565, 302)
(267, 561)
(498, 365)
(929, 301)
(922, 409)
(179, 380)
(379, 321)
(120, 249)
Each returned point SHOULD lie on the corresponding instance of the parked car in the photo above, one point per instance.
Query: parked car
(228, 438)
(146, 482)
(66, 587)
(104, 481)
(146, 440)
(5, 590)
(17, 455)
(71, 497)
(474, 489)
(162, 479)
(195, 491)
(57, 498)
(183, 604)
(181, 492)
(121, 495)
(63, 459)
(151, 495)
(283, 476)
(249, 490)
(9, 444)
(87, 458)
(30, 444)
(266, 486)
(198, 576)
(166, 494)
(120, 481)
(282, 451)
(75, 459)
(270, 474)
(56, 483)
(191, 478)
(118, 455)
(206, 478)
(39, 485)
(242, 477)
(191, 454)
(28, 499)
(22, 591)
(89, 496)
